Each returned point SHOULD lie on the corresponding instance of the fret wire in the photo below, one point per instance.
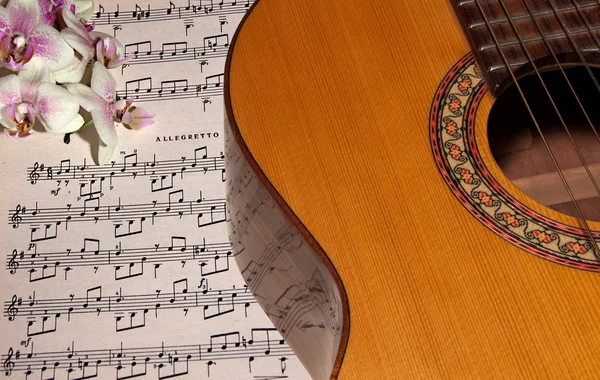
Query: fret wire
(586, 21)
(538, 38)
(537, 126)
(527, 16)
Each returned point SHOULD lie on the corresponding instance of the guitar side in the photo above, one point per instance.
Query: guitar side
(332, 103)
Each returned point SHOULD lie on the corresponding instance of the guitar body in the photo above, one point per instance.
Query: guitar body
(335, 103)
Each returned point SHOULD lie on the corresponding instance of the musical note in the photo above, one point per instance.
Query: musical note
(160, 262)
(103, 17)
(98, 257)
(173, 85)
(144, 92)
(136, 86)
(132, 167)
(141, 48)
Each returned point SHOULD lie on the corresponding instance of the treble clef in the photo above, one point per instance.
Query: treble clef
(9, 365)
(12, 311)
(16, 218)
(13, 264)
(34, 175)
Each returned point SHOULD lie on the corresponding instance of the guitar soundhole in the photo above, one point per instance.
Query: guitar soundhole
(519, 150)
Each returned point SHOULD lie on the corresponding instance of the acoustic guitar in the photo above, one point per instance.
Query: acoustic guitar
(373, 202)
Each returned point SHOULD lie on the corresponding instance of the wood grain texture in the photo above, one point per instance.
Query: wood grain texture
(332, 100)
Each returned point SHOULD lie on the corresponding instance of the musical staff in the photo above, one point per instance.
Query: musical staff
(204, 8)
(157, 170)
(114, 253)
(179, 250)
(213, 303)
(141, 53)
(167, 361)
(142, 90)
(208, 211)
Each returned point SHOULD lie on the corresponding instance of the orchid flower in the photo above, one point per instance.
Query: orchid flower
(28, 95)
(78, 37)
(109, 51)
(22, 36)
(135, 117)
(83, 9)
(99, 101)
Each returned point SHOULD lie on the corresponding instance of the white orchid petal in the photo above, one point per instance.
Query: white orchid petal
(48, 44)
(105, 153)
(78, 42)
(32, 74)
(72, 73)
(103, 82)
(84, 9)
(73, 23)
(56, 106)
(6, 121)
(23, 15)
(10, 90)
(72, 126)
(88, 99)
(105, 126)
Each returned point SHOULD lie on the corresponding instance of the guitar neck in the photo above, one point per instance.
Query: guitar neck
(526, 31)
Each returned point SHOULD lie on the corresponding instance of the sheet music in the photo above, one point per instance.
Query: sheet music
(126, 270)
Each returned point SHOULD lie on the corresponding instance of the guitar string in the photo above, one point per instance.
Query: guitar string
(560, 66)
(554, 106)
(530, 58)
(590, 32)
(537, 126)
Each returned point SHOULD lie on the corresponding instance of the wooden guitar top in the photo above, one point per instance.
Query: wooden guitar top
(332, 99)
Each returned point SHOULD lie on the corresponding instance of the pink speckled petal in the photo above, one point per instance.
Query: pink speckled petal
(49, 45)
(56, 106)
(87, 98)
(105, 126)
(47, 12)
(23, 15)
(32, 74)
(4, 27)
(103, 82)
(10, 90)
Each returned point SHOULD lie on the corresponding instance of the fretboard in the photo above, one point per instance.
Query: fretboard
(541, 31)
